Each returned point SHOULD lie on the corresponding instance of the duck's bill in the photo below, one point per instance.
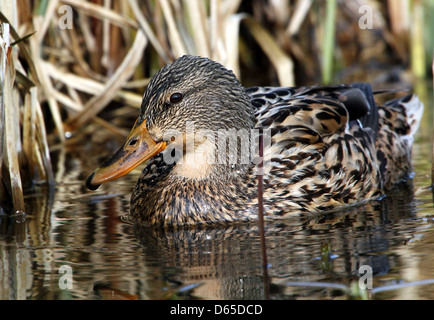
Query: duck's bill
(138, 148)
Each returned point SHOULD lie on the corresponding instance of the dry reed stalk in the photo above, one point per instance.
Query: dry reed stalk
(23, 49)
(199, 28)
(41, 150)
(214, 30)
(11, 139)
(47, 87)
(300, 12)
(175, 39)
(210, 28)
(119, 78)
(148, 30)
(89, 86)
(399, 15)
(281, 61)
(26, 151)
(102, 13)
(29, 131)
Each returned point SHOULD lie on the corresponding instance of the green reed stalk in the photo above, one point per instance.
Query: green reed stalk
(329, 41)
(418, 57)
(432, 159)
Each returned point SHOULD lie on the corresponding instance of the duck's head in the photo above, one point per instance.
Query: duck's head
(184, 101)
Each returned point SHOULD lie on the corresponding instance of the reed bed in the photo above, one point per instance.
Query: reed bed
(65, 63)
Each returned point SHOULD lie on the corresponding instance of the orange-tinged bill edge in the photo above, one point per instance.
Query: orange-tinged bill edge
(138, 147)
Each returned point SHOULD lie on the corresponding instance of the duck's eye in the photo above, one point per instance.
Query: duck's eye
(176, 97)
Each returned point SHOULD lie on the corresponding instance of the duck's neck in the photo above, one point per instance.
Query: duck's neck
(193, 193)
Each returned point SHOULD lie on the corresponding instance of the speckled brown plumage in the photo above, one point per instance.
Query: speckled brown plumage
(330, 146)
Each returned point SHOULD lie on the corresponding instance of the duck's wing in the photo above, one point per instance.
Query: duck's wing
(322, 150)
(324, 109)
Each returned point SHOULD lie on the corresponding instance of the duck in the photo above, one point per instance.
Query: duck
(203, 135)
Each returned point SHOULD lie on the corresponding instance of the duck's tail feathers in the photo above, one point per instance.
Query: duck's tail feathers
(412, 107)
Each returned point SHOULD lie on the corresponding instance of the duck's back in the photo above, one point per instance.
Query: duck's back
(332, 145)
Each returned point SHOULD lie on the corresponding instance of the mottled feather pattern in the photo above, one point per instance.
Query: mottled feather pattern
(161, 198)
(330, 146)
(399, 121)
(319, 161)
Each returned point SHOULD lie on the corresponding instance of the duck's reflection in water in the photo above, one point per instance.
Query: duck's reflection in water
(227, 261)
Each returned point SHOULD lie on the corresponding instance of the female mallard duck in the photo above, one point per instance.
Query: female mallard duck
(324, 147)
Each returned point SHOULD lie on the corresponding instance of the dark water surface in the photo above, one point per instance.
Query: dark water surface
(71, 229)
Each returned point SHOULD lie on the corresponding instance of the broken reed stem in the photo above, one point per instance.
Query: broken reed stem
(261, 215)
(11, 118)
